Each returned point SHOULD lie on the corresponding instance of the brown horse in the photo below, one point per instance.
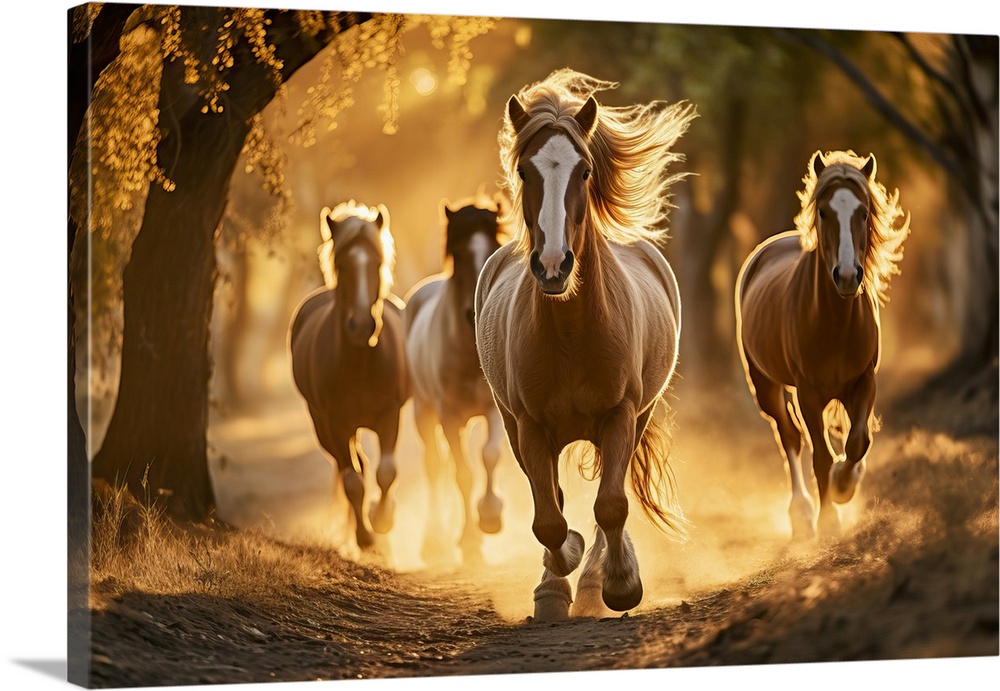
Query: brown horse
(807, 312)
(448, 384)
(348, 354)
(578, 319)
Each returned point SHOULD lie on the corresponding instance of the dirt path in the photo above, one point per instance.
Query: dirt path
(914, 575)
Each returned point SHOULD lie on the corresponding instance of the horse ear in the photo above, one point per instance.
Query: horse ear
(818, 164)
(518, 116)
(586, 117)
(446, 207)
(870, 167)
(326, 224)
(382, 220)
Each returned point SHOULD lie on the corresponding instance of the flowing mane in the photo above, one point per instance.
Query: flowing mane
(888, 224)
(629, 152)
(326, 250)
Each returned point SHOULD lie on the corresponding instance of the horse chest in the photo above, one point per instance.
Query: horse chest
(578, 385)
(830, 359)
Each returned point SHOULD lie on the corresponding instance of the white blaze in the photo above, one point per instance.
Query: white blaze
(555, 162)
(480, 249)
(360, 260)
(844, 203)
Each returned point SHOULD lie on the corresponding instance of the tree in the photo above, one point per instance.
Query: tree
(175, 120)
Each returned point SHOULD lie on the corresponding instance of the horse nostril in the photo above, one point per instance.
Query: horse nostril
(567, 264)
(536, 265)
(861, 274)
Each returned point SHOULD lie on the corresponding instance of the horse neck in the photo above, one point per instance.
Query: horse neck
(460, 335)
(830, 309)
(350, 351)
(588, 308)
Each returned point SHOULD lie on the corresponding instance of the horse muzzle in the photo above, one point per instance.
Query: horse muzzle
(360, 330)
(848, 279)
(552, 282)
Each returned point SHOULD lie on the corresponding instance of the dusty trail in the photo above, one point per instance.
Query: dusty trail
(914, 575)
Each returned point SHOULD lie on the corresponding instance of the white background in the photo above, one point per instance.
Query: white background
(32, 388)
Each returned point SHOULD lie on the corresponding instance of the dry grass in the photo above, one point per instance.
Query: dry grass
(136, 548)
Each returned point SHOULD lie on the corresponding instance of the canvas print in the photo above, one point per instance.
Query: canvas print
(413, 345)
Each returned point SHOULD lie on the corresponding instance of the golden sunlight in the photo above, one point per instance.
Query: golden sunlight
(424, 81)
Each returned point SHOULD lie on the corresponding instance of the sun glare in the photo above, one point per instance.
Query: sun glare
(424, 81)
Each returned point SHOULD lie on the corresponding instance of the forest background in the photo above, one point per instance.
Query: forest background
(34, 300)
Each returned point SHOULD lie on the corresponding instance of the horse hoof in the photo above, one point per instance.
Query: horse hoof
(365, 539)
(803, 517)
(844, 479)
(563, 561)
(552, 599)
(382, 517)
(622, 600)
(491, 525)
(589, 602)
(489, 508)
(829, 523)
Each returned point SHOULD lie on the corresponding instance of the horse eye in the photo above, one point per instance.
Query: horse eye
(864, 214)
(586, 173)
(520, 172)
(822, 213)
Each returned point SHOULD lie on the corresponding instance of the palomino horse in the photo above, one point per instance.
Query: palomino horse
(807, 311)
(348, 354)
(578, 319)
(448, 384)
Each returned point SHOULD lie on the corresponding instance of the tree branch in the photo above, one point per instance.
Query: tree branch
(881, 103)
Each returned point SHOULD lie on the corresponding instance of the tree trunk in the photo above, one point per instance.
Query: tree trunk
(708, 351)
(86, 60)
(156, 440)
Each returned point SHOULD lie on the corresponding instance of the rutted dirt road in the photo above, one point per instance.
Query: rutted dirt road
(914, 575)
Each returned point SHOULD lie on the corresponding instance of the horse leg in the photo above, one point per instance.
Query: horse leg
(436, 548)
(341, 445)
(490, 505)
(811, 408)
(381, 515)
(619, 435)
(589, 601)
(354, 489)
(563, 547)
(845, 475)
(470, 540)
(771, 401)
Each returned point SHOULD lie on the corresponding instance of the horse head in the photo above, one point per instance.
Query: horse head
(472, 234)
(843, 220)
(555, 167)
(358, 262)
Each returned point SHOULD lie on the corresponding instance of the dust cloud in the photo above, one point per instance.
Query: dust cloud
(270, 472)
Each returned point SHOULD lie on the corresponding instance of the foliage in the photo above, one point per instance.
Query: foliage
(115, 160)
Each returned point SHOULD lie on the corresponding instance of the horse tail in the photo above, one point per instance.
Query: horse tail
(653, 481)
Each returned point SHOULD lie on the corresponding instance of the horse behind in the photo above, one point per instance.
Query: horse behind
(348, 355)
(578, 320)
(449, 389)
(807, 311)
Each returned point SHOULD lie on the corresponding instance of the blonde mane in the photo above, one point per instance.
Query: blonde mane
(326, 250)
(888, 224)
(628, 152)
